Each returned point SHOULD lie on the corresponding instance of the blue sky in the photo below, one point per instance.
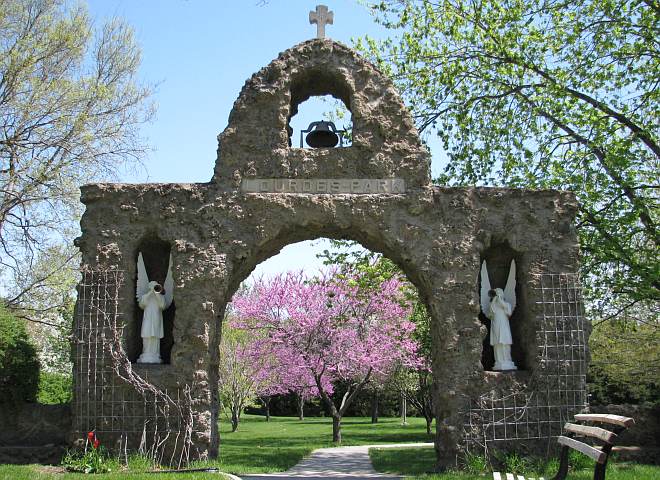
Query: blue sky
(199, 53)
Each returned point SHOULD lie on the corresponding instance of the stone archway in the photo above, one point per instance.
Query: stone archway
(265, 194)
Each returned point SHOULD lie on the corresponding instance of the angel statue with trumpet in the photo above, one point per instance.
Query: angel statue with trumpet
(153, 298)
(498, 305)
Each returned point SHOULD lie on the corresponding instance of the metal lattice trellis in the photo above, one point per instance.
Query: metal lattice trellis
(109, 396)
(556, 389)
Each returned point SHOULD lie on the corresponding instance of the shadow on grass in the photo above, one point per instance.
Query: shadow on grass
(411, 461)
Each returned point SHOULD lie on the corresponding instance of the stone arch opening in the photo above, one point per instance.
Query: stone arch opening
(384, 141)
(288, 237)
(276, 246)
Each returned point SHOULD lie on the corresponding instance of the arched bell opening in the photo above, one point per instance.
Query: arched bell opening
(320, 114)
(156, 255)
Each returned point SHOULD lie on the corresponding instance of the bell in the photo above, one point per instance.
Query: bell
(322, 135)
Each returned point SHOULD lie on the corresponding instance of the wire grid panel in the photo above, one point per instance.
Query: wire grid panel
(557, 387)
(103, 401)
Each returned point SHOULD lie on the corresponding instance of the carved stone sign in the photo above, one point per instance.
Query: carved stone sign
(359, 186)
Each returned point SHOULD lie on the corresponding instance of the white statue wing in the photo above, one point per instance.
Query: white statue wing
(485, 288)
(169, 285)
(142, 278)
(510, 289)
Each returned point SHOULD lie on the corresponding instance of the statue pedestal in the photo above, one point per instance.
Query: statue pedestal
(149, 358)
(501, 366)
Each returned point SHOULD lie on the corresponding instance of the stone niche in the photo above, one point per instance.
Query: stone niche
(217, 232)
(156, 254)
(498, 258)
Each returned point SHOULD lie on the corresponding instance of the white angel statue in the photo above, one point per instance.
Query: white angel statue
(153, 299)
(498, 305)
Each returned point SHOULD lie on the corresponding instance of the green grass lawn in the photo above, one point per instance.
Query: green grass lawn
(259, 446)
(275, 446)
(418, 462)
(37, 472)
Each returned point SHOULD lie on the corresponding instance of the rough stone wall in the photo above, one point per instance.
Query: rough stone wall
(218, 234)
(34, 433)
(34, 424)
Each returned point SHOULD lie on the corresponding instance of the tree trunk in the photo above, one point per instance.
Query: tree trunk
(429, 420)
(336, 429)
(301, 406)
(404, 412)
(346, 401)
(234, 420)
(266, 402)
(374, 407)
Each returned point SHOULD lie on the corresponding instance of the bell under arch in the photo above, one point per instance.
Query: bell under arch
(324, 120)
(385, 142)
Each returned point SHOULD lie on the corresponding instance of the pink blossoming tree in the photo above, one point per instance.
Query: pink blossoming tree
(330, 328)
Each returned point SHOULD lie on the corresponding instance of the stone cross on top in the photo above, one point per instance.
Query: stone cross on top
(321, 17)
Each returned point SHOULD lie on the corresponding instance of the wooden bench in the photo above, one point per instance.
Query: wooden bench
(599, 453)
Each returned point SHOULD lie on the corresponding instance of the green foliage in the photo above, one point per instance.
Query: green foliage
(140, 463)
(545, 94)
(55, 388)
(475, 464)
(579, 461)
(240, 375)
(48, 301)
(19, 366)
(89, 460)
(39, 472)
(513, 462)
(625, 358)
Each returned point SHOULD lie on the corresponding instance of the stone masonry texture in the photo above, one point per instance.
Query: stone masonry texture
(217, 234)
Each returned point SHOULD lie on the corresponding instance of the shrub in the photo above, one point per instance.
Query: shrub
(19, 366)
(516, 463)
(54, 388)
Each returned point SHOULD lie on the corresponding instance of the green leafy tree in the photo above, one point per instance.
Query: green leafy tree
(625, 359)
(545, 94)
(19, 366)
(246, 374)
(55, 388)
(70, 111)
